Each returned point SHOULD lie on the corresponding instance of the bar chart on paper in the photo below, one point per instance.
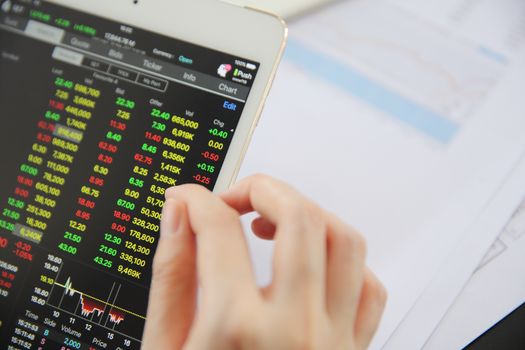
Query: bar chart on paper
(413, 70)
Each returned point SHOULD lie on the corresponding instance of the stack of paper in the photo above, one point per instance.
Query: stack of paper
(496, 288)
(406, 119)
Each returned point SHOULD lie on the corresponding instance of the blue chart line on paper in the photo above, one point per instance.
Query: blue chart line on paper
(372, 92)
(430, 76)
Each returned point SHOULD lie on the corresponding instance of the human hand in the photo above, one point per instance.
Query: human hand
(322, 295)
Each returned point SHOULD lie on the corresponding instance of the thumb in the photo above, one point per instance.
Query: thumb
(174, 284)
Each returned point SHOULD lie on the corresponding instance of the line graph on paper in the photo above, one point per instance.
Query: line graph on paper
(499, 25)
(417, 62)
(110, 305)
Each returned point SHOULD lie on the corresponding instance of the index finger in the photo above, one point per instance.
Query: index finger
(300, 250)
(222, 255)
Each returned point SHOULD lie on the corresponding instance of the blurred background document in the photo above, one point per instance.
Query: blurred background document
(503, 286)
(404, 117)
(496, 289)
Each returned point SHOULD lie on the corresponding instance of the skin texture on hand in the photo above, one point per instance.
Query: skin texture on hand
(322, 295)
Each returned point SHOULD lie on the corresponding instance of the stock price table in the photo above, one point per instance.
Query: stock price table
(85, 168)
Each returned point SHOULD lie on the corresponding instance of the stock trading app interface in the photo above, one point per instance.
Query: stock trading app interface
(97, 119)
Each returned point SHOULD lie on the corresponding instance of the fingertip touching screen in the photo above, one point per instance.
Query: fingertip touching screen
(98, 119)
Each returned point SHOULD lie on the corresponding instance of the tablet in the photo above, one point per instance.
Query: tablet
(104, 105)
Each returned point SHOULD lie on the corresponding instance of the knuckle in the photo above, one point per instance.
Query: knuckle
(309, 215)
(381, 294)
(303, 210)
(262, 178)
(352, 241)
(313, 212)
(165, 272)
(377, 290)
(229, 216)
(360, 244)
(262, 183)
(172, 265)
(287, 199)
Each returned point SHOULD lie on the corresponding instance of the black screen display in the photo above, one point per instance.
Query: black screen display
(97, 119)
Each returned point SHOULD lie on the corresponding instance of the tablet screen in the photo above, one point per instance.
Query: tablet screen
(97, 119)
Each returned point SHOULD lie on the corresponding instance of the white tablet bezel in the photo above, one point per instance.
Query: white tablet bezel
(242, 32)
